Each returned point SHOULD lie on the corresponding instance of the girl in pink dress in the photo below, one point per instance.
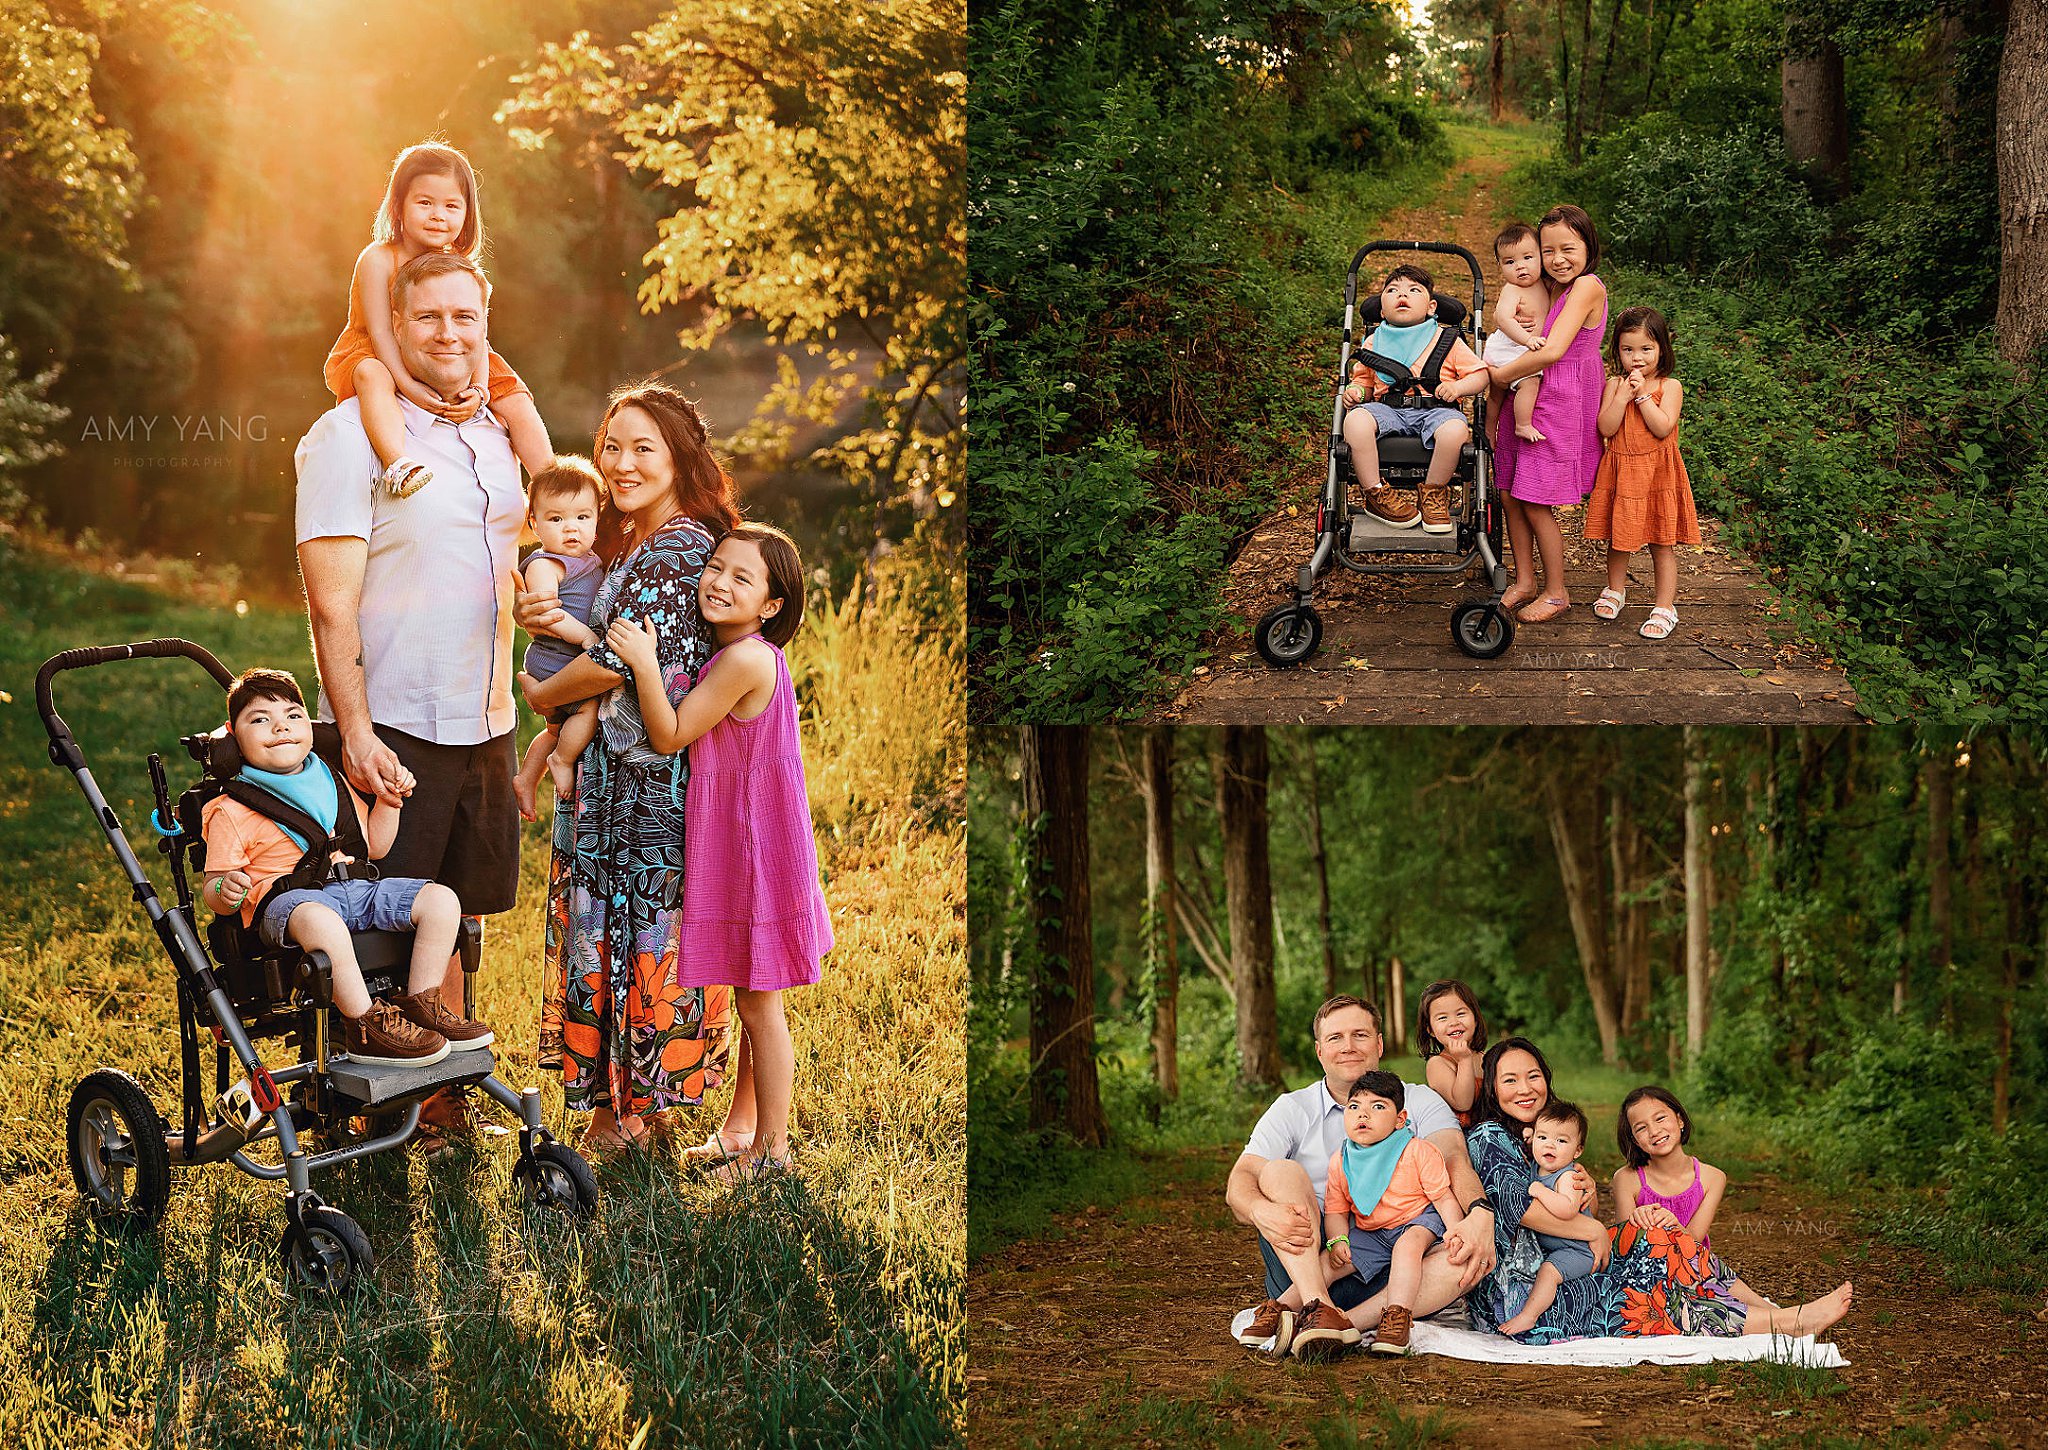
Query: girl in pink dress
(1556, 469)
(753, 916)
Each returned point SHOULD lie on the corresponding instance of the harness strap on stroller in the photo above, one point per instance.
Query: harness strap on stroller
(1408, 384)
(317, 867)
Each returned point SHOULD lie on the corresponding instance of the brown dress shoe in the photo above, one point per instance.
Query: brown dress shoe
(1392, 1335)
(1321, 1330)
(1436, 508)
(1271, 1320)
(427, 1010)
(386, 1037)
(1391, 506)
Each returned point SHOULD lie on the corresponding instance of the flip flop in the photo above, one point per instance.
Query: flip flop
(1512, 598)
(1663, 619)
(1543, 610)
(1610, 603)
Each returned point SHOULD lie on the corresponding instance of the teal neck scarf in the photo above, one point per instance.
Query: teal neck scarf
(1368, 1171)
(1405, 345)
(311, 788)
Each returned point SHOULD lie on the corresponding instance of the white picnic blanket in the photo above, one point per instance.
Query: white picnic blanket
(1427, 1338)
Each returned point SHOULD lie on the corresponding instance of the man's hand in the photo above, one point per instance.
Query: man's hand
(1470, 1247)
(1286, 1226)
(535, 613)
(373, 768)
(1589, 1192)
(1603, 1250)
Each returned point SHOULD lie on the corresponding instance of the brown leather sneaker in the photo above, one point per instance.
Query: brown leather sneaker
(1392, 1335)
(1391, 506)
(384, 1037)
(428, 1011)
(1321, 1330)
(1271, 1320)
(1436, 508)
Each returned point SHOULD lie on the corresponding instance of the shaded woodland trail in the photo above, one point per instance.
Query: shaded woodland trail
(1387, 655)
(1132, 1303)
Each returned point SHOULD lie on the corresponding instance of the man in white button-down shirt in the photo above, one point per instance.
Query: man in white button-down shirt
(1276, 1186)
(411, 601)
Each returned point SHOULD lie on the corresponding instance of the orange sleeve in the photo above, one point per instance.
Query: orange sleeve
(1337, 1193)
(225, 848)
(1436, 1178)
(1462, 362)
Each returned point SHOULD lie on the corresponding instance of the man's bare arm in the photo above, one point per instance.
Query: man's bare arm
(1470, 1245)
(1241, 1192)
(333, 571)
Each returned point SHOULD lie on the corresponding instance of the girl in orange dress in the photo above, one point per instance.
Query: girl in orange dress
(429, 206)
(1641, 495)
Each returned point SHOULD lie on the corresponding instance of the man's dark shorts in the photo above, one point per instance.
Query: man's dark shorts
(1346, 1293)
(460, 826)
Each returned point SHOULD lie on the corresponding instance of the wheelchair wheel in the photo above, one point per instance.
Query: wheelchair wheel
(326, 1252)
(119, 1159)
(556, 1176)
(1482, 629)
(1288, 634)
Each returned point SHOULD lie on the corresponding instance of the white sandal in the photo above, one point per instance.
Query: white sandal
(404, 478)
(1610, 603)
(1663, 619)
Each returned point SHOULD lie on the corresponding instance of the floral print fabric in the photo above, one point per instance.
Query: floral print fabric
(613, 1021)
(1658, 1281)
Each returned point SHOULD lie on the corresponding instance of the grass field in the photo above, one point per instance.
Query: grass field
(826, 1310)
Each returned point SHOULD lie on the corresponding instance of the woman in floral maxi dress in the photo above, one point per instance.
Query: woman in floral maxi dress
(627, 1040)
(1656, 1281)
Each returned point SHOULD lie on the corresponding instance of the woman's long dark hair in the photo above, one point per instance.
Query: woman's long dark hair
(704, 489)
(1487, 1108)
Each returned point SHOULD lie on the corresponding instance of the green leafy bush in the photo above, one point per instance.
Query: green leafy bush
(1900, 1094)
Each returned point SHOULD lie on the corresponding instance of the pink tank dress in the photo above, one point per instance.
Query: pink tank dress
(753, 916)
(1683, 1206)
(1559, 470)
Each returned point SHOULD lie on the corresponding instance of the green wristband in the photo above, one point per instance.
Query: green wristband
(1333, 1243)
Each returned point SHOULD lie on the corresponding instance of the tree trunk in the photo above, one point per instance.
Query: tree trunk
(1162, 961)
(1241, 778)
(1497, 58)
(2008, 989)
(1587, 912)
(1397, 1006)
(1606, 65)
(2021, 146)
(1940, 774)
(1062, 1072)
(1696, 894)
(1320, 859)
(1814, 108)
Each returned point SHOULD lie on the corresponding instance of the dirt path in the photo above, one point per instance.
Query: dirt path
(1387, 655)
(1117, 1306)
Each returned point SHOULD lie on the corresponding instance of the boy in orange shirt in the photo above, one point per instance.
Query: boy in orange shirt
(1406, 334)
(1389, 1198)
(247, 852)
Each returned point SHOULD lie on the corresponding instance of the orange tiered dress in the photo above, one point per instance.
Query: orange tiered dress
(353, 346)
(1641, 494)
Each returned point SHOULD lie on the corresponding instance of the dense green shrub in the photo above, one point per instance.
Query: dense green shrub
(1901, 1092)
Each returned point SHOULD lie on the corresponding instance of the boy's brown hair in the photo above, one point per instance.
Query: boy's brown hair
(1513, 232)
(566, 477)
(262, 684)
(785, 577)
(1643, 319)
(1414, 272)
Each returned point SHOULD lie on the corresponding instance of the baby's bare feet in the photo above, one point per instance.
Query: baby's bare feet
(1527, 433)
(564, 773)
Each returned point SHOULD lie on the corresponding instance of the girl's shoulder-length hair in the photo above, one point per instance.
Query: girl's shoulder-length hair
(1651, 321)
(1580, 221)
(432, 158)
(1632, 1154)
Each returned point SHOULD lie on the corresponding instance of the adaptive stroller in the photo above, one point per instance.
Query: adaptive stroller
(1353, 537)
(120, 1150)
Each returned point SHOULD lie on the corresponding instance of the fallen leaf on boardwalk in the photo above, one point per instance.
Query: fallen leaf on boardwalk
(1329, 705)
(1355, 663)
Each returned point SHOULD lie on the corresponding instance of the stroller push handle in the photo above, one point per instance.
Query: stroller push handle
(78, 659)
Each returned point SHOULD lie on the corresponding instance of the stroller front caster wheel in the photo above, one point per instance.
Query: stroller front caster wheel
(556, 1176)
(1482, 630)
(1288, 634)
(326, 1251)
(119, 1158)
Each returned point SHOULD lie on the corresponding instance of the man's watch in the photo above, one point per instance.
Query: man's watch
(1480, 1202)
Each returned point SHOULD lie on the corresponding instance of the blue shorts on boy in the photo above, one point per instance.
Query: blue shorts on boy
(381, 905)
(1372, 1249)
(1411, 422)
(1570, 1257)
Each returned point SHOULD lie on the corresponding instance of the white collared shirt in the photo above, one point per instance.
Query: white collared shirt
(436, 612)
(1307, 1125)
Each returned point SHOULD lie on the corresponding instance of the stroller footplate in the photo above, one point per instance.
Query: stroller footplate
(234, 989)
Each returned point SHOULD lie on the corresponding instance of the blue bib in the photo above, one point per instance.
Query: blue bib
(1405, 345)
(311, 788)
(1368, 1171)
